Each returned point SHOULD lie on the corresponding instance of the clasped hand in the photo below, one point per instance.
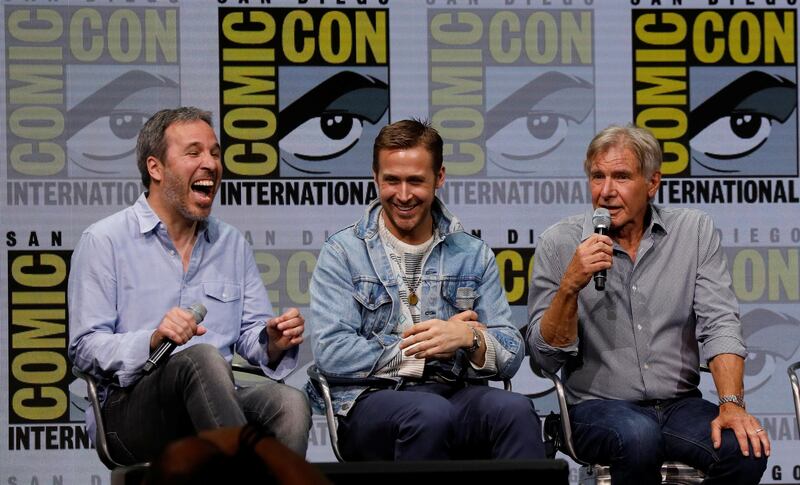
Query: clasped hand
(440, 339)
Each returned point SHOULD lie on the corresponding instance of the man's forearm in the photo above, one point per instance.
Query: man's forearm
(559, 324)
(728, 373)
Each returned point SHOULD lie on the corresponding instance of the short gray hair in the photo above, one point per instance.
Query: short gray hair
(640, 141)
(152, 142)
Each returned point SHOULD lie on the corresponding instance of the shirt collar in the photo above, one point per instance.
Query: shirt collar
(149, 221)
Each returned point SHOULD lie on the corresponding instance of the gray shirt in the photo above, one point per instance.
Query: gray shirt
(641, 338)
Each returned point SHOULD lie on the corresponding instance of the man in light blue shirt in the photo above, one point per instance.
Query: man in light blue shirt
(132, 277)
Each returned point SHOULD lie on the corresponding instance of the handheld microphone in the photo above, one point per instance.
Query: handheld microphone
(465, 298)
(601, 220)
(166, 346)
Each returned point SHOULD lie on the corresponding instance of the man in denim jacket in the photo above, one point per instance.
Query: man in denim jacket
(407, 295)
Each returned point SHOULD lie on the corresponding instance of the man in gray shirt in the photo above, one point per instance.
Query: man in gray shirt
(631, 352)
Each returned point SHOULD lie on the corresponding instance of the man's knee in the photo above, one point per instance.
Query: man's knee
(295, 407)
(732, 463)
(201, 357)
(620, 435)
(202, 365)
(516, 408)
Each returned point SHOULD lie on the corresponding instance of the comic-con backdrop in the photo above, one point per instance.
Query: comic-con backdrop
(299, 88)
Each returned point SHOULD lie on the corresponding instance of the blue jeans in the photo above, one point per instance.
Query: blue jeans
(194, 391)
(635, 438)
(439, 422)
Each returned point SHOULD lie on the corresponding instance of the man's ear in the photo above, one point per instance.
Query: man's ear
(440, 178)
(654, 184)
(155, 168)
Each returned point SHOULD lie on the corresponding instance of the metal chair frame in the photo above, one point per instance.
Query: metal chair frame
(794, 381)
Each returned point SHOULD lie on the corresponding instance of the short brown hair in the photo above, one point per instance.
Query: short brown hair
(406, 134)
(151, 140)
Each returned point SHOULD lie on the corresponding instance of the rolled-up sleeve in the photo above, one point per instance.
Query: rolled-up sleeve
(719, 329)
(545, 280)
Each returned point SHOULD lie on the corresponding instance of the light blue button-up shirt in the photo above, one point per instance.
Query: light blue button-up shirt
(126, 274)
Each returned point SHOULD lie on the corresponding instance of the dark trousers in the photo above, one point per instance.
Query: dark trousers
(636, 439)
(438, 422)
(194, 391)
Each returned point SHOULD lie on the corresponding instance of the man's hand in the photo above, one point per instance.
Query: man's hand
(746, 427)
(284, 332)
(177, 325)
(439, 339)
(591, 256)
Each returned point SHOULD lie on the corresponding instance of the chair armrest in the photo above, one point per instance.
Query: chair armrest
(100, 436)
(794, 381)
(566, 425)
(320, 383)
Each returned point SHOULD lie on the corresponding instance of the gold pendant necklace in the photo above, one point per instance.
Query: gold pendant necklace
(413, 299)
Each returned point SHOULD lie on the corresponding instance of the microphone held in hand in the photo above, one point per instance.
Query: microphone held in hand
(465, 298)
(601, 220)
(166, 346)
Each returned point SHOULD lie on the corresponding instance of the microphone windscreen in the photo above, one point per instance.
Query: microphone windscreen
(199, 311)
(601, 217)
(465, 298)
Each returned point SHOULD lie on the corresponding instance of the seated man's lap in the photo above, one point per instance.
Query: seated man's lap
(489, 422)
(389, 424)
(679, 431)
(605, 431)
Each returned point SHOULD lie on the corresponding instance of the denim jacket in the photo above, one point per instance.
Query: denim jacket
(355, 303)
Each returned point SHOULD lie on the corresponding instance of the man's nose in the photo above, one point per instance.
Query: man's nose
(404, 191)
(209, 161)
(608, 189)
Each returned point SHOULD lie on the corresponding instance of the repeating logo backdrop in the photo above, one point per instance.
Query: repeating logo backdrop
(299, 89)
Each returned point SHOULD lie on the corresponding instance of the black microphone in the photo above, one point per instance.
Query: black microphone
(166, 346)
(601, 220)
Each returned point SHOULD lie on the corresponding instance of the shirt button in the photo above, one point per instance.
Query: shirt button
(647, 366)
(633, 287)
(172, 252)
(639, 327)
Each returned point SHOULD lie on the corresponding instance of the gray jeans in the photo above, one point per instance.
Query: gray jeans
(194, 391)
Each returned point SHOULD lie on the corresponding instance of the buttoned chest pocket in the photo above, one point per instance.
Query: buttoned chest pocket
(375, 306)
(224, 304)
(460, 295)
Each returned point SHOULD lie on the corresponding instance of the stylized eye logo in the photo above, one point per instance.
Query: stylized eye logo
(760, 366)
(328, 120)
(534, 120)
(103, 128)
(335, 134)
(738, 120)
